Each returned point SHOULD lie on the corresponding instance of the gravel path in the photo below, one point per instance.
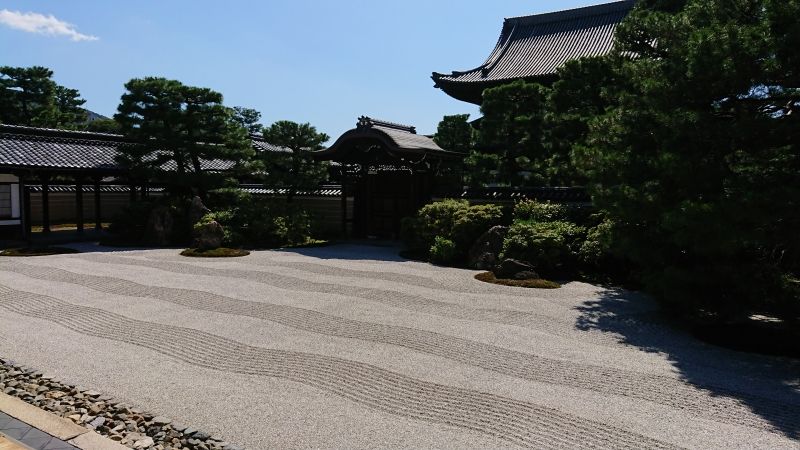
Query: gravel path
(350, 346)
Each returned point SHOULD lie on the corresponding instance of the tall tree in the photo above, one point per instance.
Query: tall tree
(454, 133)
(30, 97)
(697, 156)
(177, 129)
(27, 96)
(69, 105)
(511, 129)
(296, 168)
(247, 118)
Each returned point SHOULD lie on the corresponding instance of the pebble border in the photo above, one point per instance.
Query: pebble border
(112, 419)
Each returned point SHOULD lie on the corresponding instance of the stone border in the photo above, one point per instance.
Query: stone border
(87, 418)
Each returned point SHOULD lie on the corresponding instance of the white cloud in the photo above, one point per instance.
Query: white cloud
(38, 23)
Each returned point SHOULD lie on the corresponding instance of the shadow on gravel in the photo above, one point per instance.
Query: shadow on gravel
(768, 386)
(356, 251)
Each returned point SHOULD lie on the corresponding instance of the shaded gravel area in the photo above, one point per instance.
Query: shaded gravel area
(351, 346)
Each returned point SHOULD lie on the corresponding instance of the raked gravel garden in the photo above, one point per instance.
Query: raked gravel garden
(353, 346)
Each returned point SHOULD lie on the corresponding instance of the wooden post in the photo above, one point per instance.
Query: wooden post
(344, 206)
(79, 203)
(45, 204)
(133, 193)
(26, 209)
(98, 225)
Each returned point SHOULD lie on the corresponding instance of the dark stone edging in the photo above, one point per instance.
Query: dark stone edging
(117, 421)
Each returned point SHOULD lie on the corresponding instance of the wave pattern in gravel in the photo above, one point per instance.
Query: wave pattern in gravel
(657, 389)
(518, 422)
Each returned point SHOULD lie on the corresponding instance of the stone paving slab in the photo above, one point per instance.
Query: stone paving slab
(24, 433)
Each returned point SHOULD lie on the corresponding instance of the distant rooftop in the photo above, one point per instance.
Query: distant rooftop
(535, 47)
(66, 150)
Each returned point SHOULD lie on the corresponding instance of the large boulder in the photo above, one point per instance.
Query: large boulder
(197, 210)
(512, 269)
(159, 228)
(208, 236)
(485, 252)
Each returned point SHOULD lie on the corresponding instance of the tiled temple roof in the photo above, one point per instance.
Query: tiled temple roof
(535, 47)
(44, 148)
(398, 141)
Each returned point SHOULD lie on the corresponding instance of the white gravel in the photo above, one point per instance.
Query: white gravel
(351, 346)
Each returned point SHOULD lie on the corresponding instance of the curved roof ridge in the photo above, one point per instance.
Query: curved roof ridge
(535, 47)
(574, 13)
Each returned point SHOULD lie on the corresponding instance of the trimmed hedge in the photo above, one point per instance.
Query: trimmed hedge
(551, 247)
(455, 223)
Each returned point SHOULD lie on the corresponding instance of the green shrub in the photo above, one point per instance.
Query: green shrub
(453, 220)
(259, 222)
(536, 211)
(596, 249)
(552, 247)
(130, 224)
(443, 251)
(471, 222)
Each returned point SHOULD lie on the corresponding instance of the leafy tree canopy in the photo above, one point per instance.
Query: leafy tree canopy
(511, 130)
(692, 148)
(295, 169)
(455, 133)
(30, 97)
(178, 128)
(104, 126)
(247, 118)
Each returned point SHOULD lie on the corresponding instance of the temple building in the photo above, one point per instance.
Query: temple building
(388, 171)
(534, 47)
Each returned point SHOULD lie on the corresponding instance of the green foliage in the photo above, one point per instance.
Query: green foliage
(489, 277)
(552, 247)
(471, 222)
(247, 118)
(259, 222)
(175, 129)
(104, 126)
(443, 251)
(455, 133)
(221, 252)
(511, 128)
(453, 220)
(129, 226)
(482, 169)
(30, 97)
(536, 211)
(692, 149)
(296, 169)
(597, 248)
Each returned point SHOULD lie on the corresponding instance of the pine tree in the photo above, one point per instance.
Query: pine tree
(296, 169)
(175, 130)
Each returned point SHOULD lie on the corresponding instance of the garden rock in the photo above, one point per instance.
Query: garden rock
(159, 226)
(197, 210)
(208, 236)
(511, 269)
(485, 252)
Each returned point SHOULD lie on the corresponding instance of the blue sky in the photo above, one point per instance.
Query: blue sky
(324, 62)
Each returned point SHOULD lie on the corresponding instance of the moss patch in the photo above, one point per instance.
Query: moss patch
(488, 277)
(38, 251)
(222, 252)
(311, 243)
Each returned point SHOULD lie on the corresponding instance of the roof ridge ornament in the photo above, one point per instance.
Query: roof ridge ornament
(369, 122)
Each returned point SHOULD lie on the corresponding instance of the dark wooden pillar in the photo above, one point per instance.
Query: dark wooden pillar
(25, 196)
(133, 193)
(344, 207)
(45, 204)
(79, 204)
(98, 222)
